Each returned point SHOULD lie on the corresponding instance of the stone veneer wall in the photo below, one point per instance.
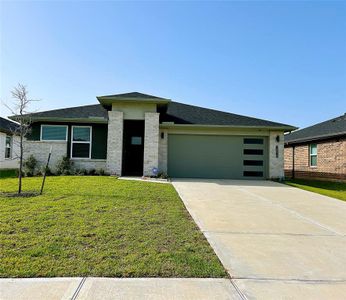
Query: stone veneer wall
(276, 164)
(151, 143)
(115, 142)
(163, 151)
(40, 150)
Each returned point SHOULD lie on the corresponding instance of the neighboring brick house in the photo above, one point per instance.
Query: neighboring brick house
(318, 151)
(9, 144)
(138, 134)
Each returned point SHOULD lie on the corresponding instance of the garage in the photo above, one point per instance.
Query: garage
(217, 156)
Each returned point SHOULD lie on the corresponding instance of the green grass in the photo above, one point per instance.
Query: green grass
(100, 226)
(8, 173)
(327, 188)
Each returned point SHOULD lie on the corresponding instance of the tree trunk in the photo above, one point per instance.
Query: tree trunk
(20, 164)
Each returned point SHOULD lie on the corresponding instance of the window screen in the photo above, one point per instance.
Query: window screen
(53, 133)
(8, 146)
(81, 142)
(313, 155)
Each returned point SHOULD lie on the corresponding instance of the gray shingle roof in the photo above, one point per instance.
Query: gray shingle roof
(180, 113)
(7, 126)
(326, 129)
(133, 95)
(78, 112)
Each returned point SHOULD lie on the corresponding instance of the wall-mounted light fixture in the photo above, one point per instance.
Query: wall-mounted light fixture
(277, 138)
(162, 135)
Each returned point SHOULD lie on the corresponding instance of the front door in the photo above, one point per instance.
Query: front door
(133, 148)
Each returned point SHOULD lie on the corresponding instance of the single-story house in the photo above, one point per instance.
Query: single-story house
(137, 134)
(318, 151)
(9, 144)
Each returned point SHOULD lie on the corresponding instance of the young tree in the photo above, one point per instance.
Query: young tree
(22, 116)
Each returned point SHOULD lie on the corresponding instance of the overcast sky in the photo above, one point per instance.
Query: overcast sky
(283, 61)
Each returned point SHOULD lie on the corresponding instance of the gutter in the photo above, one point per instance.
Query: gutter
(66, 120)
(168, 125)
(316, 138)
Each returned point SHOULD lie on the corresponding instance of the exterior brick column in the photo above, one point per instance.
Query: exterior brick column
(115, 142)
(276, 155)
(151, 143)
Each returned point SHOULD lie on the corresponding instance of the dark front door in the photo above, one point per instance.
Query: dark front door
(133, 148)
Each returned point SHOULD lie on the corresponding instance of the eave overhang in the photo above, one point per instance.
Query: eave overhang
(109, 100)
(168, 125)
(315, 138)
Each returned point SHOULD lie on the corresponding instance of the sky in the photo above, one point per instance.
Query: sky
(282, 61)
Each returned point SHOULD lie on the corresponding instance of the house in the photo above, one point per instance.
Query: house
(136, 134)
(9, 144)
(318, 151)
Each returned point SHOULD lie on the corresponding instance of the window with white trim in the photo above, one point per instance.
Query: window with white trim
(53, 133)
(81, 142)
(313, 155)
(8, 147)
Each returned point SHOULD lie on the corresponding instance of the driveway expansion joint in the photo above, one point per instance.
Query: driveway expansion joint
(79, 287)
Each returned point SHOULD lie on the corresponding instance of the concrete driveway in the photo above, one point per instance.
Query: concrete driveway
(277, 242)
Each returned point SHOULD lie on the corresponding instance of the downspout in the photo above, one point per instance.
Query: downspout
(293, 162)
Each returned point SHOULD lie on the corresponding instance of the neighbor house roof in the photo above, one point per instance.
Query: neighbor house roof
(327, 129)
(8, 126)
(179, 113)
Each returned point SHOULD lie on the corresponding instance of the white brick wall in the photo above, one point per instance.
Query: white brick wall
(89, 164)
(40, 150)
(151, 143)
(13, 162)
(163, 151)
(276, 164)
(115, 142)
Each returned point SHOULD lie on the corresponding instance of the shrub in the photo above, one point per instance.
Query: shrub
(64, 166)
(47, 170)
(162, 175)
(92, 172)
(80, 172)
(100, 172)
(29, 166)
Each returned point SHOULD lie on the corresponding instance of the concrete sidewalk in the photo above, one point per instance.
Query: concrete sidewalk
(117, 288)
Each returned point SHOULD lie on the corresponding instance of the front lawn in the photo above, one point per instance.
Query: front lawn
(7, 173)
(100, 226)
(327, 188)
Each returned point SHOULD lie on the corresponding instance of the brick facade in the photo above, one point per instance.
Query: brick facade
(331, 160)
(115, 142)
(151, 143)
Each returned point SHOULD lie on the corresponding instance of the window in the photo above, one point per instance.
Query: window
(81, 142)
(53, 133)
(136, 140)
(253, 162)
(253, 174)
(8, 146)
(313, 155)
(253, 141)
(253, 151)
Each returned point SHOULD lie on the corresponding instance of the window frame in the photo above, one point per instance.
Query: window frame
(81, 142)
(312, 155)
(50, 125)
(11, 146)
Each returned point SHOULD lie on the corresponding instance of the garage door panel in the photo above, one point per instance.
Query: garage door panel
(206, 156)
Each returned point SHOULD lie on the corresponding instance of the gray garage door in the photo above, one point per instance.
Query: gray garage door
(211, 156)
